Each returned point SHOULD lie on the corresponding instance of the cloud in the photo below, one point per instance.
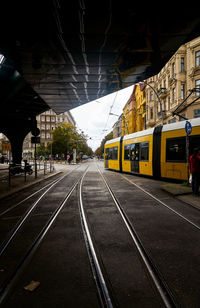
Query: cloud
(93, 118)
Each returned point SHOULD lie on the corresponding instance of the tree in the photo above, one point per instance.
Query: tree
(66, 138)
(42, 150)
(100, 150)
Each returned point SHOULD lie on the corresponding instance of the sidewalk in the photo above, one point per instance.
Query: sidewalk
(182, 192)
(18, 182)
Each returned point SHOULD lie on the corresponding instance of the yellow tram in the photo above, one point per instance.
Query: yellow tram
(159, 152)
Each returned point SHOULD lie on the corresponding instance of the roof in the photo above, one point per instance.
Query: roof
(72, 52)
(180, 125)
(113, 141)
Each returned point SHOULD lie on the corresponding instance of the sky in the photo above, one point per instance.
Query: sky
(93, 118)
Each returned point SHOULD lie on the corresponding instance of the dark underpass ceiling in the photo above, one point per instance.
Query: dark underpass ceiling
(68, 53)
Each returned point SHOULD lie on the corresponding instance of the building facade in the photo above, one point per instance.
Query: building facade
(170, 95)
(46, 122)
(117, 128)
(128, 116)
(140, 105)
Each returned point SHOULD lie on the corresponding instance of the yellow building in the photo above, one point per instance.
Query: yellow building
(134, 112)
(128, 116)
(140, 100)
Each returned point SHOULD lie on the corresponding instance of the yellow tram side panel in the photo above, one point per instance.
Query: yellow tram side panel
(145, 167)
(113, 164)
(174, 170)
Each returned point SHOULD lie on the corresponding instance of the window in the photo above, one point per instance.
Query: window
(173, 95)
(181, 119)
(197, 58)
(173, 70)
(182, 91)
(196, 113)
(172, 121)
(48, 136)
(110, 154)
(48, 119)
(151, 96)
(52, 119)
(115, 153)
(151, 113)
(176, 150)
(182, 65)
(43, 118)
(144, 151)
(134, 152)
(197, 86)
(107, 154)
(126, 152)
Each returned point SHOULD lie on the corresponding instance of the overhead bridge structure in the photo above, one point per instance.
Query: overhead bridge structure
(62, 54)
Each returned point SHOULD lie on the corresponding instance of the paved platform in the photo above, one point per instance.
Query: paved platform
(182, 192)
(18, 182)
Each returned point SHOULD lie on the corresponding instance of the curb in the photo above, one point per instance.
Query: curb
(16, 190)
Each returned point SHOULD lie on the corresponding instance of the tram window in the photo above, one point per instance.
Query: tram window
(115, 153)
(110, 155)
(194, 143)
(176, 149)
(126, 152)
(144, 151)
(107, 154)
(134, 152)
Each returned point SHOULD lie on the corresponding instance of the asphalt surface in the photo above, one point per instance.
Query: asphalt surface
(61, 264)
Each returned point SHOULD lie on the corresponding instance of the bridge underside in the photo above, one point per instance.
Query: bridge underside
(61, 54)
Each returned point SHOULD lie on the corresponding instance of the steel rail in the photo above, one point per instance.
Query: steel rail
(5, 289)
(161, 286)
(20, 223)
(33, 194)
(96, 269)
(163, 203)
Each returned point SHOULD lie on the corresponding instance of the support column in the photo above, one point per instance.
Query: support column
(16, 135)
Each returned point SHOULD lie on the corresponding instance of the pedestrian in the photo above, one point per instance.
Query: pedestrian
(195, 171)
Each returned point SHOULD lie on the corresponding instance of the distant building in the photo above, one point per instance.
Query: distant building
(117, 128)
(46, 122)
(179, 78)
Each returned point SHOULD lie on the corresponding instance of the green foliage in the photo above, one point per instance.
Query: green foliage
(100, 150)
(42, 151)
(66, 138)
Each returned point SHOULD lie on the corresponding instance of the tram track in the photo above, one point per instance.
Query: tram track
(159, 283)
(11, 275)
(118, 240)
(169, 232)
(12, 233)
(12, 207)
(8, 282)
(163, 203)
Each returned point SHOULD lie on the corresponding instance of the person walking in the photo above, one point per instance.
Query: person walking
(195, 171)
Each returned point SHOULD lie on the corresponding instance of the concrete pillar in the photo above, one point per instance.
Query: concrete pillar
(16, 134)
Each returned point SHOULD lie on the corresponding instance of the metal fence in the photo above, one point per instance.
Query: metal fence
(30, 168)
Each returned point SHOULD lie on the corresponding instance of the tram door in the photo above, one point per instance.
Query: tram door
(134, 157)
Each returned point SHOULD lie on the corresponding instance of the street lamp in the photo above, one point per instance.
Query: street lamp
(148, 84)
(114, 114)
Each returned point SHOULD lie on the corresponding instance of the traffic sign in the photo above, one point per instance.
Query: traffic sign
(188, 128)
(35, 132)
